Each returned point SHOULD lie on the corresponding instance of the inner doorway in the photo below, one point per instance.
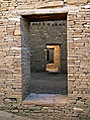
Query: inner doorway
(53, 58)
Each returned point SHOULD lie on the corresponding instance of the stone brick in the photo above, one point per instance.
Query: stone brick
(73, 2)
(17, 32)
(52, 4)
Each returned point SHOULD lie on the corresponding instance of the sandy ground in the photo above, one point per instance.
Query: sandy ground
(10, 116)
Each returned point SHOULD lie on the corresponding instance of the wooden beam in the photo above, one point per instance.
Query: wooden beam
(46, 17)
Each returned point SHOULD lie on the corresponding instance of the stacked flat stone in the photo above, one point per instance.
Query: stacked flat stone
(15, 58)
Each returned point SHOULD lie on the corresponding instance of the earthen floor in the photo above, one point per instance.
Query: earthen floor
(48, 83)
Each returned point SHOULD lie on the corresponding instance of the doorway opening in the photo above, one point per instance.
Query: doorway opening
(48, 54)
(53, 58)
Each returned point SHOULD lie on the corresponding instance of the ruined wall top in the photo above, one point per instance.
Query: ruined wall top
(7, 5)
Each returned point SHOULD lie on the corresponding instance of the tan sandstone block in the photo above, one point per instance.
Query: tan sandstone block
(17, 32)
(51, 4)
(72, 2)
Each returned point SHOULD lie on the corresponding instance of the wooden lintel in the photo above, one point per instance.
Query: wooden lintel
(46, 17)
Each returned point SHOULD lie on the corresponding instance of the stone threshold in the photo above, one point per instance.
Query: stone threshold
(46, 99)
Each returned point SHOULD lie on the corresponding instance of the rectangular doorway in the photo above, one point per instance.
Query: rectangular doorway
(48, 54)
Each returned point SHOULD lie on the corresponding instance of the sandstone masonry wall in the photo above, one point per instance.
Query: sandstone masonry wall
(13, 73)
(47, 32)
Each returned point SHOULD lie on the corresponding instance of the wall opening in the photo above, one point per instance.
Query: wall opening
(53, 58)
(48, 54)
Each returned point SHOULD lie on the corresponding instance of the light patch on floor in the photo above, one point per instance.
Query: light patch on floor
(48, 99)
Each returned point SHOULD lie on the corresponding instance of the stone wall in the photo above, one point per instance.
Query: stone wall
(47, 32)
(25, 56)
(9, 5)
(12, 81)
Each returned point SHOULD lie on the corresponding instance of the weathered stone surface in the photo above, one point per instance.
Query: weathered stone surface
(17, 32)
(73, 2)
(52, 4)
(78, 109)
(15, 58)
(10, 116)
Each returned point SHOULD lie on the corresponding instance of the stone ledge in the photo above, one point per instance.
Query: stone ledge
(65, 9)
(46, 99)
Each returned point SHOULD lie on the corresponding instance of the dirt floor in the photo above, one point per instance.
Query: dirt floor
(10, 116)
(48, 83)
